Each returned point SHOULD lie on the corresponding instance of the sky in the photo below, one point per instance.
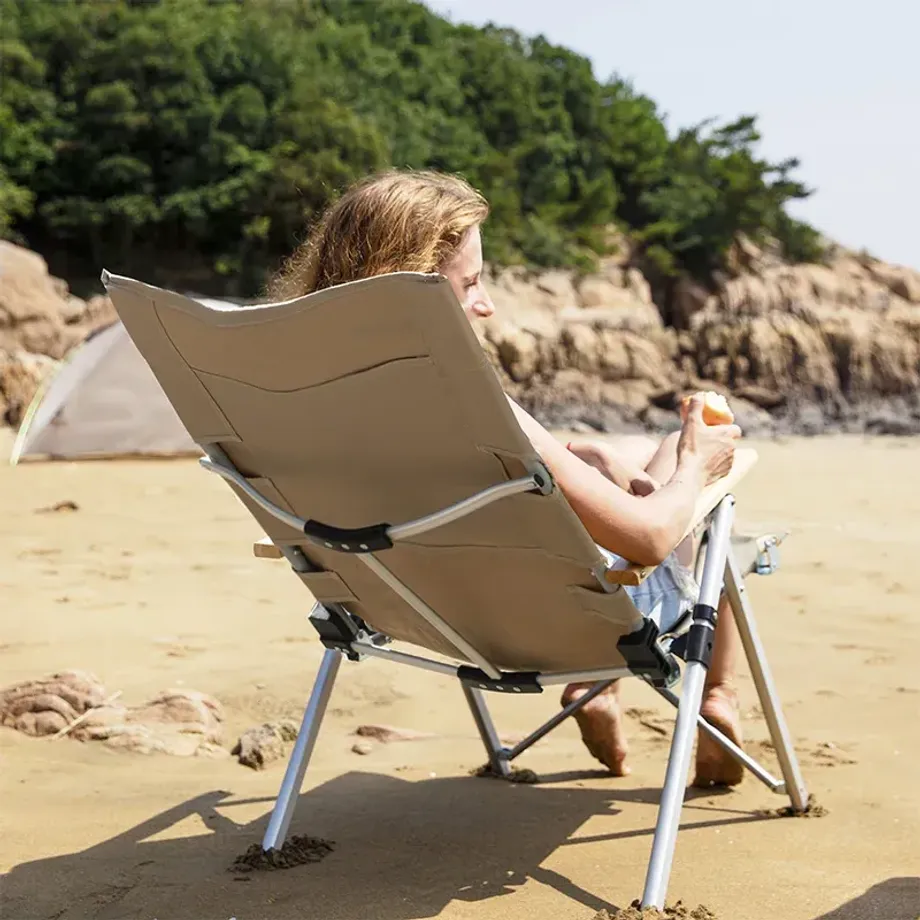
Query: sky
(835, 83)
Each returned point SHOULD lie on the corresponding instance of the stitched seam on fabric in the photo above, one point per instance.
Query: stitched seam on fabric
(492, 547)
(220, 412)
(312, 386)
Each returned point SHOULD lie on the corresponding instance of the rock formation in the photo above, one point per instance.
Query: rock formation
(804, 348)
(178, 722)
(265, 743)
(797, 347)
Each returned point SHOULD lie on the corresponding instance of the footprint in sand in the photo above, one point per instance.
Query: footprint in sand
(182, 651)
(40, 551)
(650, 719)
(116, 573)
(823, 754)
(828, 754)
(176, 648)
(57, 507)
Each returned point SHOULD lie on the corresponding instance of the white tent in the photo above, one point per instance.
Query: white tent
(103, 401)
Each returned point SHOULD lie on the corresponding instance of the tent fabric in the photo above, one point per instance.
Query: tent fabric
(103, 401)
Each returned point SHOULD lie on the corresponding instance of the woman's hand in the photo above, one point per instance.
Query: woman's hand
(643, 530)
(710, 446)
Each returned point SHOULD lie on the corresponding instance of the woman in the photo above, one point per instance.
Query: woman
(636, 500)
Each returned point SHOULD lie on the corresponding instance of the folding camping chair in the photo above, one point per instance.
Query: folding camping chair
(364, 429)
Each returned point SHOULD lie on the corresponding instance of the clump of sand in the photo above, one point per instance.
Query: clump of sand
(678, 912)
(516, 775)
(296, 851)
(812, 810)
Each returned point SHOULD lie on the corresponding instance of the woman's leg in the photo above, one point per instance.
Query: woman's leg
(601, 720)
(601, 723)
(714, 766)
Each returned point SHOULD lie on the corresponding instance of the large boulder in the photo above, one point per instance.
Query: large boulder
(567, 345)
(40, 321)
(817, 331)
(38, 314)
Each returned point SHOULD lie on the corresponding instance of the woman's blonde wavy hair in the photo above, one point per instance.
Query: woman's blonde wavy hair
(400, 220)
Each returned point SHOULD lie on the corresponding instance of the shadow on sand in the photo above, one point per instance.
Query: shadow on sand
(894, 899)
(404, 850)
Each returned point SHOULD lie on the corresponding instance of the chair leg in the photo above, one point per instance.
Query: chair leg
(486, 726)
(699, 650)
(675, 784)
(766, 689)
(283, 811)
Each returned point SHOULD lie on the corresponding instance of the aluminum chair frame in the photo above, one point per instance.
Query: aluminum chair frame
(654, 660)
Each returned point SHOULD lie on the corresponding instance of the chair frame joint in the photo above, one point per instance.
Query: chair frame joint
(370, 539)
(337, 629)
(645, 658)
(515, 682)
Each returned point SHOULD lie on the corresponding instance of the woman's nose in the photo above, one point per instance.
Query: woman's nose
(484, 307)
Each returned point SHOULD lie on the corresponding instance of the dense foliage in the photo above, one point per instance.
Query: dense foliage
(215, 129)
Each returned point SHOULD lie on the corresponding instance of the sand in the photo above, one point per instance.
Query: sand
(149, 583)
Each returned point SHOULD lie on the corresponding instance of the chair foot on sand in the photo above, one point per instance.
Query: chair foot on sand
(283, 812)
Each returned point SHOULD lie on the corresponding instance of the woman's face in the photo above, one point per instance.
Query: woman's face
(464, 272)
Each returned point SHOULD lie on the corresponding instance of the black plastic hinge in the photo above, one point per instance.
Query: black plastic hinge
(645, 658)
(696, 644)
(337, 629)
(705, 613)
(700, 640)
(349, 540)
(515, 682)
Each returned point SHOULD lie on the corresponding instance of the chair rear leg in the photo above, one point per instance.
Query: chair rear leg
(283, 812)
(494, 748)
(766, 689)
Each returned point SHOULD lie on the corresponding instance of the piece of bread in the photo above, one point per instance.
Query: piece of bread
(716, 410)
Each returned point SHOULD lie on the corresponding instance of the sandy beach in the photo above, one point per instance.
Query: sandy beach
(150, 584)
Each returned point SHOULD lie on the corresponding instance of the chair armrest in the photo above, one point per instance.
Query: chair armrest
(632, 574)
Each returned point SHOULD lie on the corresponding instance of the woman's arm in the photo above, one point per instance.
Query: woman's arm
(643, 530)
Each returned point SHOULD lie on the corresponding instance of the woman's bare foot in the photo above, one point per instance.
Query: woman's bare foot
(617, 466)
(715, 766)
(601, 724)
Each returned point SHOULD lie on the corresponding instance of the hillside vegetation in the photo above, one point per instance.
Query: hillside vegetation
(207, 134)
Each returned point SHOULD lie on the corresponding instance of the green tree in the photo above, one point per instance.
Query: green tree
(209, 133)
